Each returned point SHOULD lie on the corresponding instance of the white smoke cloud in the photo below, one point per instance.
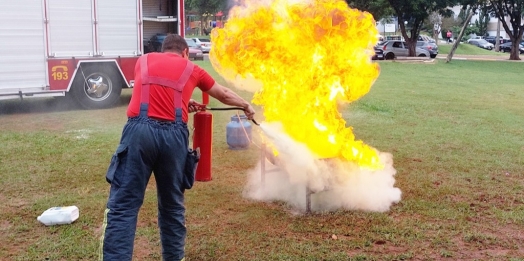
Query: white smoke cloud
(335, 184)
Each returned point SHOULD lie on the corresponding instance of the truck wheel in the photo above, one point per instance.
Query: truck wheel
(96, 86)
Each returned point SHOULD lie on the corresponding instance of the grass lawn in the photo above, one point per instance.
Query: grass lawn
(455, 131)
(467, 49)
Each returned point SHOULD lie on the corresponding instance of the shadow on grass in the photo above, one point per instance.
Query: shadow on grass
(51, 104)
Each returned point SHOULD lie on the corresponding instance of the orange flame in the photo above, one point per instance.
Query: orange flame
(309, 57)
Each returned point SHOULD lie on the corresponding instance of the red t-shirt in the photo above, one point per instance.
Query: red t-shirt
(161, 99)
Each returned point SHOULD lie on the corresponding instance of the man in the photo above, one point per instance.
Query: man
(155, 139)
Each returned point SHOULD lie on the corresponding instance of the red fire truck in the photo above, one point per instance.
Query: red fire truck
(85, 49)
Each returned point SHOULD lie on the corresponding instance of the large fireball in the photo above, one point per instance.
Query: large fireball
(308, 58)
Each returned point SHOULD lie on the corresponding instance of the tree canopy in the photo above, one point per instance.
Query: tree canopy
(206, 6)
(411, 16)
(378, 8)
(511, 9)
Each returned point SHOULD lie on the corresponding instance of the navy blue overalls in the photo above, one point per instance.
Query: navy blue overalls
(146, 146)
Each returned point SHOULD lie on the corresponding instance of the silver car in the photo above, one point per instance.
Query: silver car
(481, 43)
(432, 48)
(205, 44)
(396, 48)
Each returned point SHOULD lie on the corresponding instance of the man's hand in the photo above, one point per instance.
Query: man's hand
(194, 106)
(249, 112)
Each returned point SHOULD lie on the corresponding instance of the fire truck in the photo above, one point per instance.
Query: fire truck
(83, 49)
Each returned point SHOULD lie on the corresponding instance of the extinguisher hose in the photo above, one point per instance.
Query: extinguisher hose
(231, 109)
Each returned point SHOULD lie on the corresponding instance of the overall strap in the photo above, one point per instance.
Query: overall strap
(184, 78)
(144, 95)
(177, 85)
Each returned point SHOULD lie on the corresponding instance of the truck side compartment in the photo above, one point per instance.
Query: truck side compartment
(86, 49)
(22, 49)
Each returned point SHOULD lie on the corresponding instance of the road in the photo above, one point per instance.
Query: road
(477, 57)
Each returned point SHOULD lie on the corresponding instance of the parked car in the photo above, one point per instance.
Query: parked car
(492, 39)
(145, 42)
(393, 49)
(426, 38)
(506, 47)
(195, 53)
(379, 54)
(154, 44)
(205, 44)
(482, 43)
(432, 48)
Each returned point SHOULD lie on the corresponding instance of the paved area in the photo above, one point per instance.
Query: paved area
(443, 56)
(477, 57)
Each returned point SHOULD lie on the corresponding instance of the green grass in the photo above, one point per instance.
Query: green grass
(467, 49)
(455, 131)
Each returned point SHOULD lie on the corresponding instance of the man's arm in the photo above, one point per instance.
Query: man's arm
(228, 97)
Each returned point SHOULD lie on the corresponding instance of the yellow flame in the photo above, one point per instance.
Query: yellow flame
(309, 56)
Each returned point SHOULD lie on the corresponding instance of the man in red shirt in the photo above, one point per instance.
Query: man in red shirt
(155, 139)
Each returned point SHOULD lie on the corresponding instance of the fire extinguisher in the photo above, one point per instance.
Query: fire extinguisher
(203, 139)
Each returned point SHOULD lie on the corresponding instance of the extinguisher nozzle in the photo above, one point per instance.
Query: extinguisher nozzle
(255, 122)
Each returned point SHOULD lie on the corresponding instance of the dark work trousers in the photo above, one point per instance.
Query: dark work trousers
(146, 146)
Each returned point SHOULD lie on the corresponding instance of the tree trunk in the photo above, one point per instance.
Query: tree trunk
(457, 42)
(411, 41)
(436, 31)
(412, 46)
(201, 25)
(515, 51)
(515, 44)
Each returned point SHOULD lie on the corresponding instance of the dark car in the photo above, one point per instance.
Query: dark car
(432, 48)
(492, 39)
(155, 43)
(146, 45)
(506, 47)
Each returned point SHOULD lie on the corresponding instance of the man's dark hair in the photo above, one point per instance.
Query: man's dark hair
(174, 43)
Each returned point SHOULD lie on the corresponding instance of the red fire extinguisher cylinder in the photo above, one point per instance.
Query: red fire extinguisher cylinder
(203, 139)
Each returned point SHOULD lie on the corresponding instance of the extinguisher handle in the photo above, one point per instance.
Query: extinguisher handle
(225, 109)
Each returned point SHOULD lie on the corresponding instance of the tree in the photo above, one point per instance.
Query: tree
(469, 8)
(378, 8)
(470, 13)
(411, 16)
(448, 23)
(465, 19)
(513, 10)
(436, 20)
(483, 20)
(204, 7)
